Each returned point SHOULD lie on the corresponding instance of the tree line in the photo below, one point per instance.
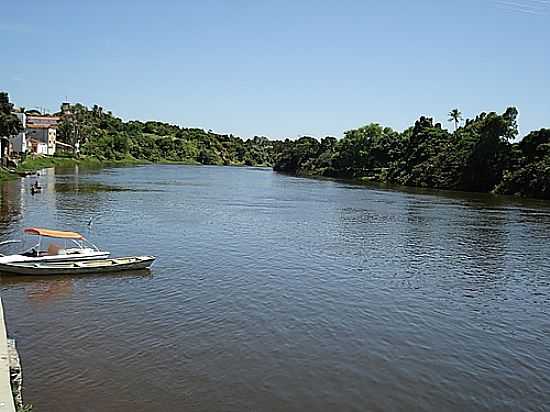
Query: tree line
(481, 155)
(9, 123)
(103, 135)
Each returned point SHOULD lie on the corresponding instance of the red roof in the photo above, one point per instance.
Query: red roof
(42, 122)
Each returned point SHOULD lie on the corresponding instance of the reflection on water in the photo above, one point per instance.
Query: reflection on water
(72, 186)
(280, 293)
(48, 289)
(10, 204)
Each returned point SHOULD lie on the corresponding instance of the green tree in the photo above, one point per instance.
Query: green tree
(296, 155)
(363, 150)
(9, 123)
(530, 173)
(455, 116)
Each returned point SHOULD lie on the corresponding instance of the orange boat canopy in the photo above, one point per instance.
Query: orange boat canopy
(53, 233)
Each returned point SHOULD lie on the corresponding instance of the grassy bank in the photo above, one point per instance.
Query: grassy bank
(5, 175)
(43, 162)
(37, 163)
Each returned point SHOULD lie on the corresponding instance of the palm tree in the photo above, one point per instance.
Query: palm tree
(455, 116)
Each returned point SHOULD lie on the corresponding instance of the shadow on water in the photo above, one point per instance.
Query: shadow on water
(84, 186)
(89, 187)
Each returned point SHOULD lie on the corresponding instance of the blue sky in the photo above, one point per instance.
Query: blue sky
(281, 68)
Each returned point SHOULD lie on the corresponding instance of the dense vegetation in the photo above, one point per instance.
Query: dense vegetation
(9, 123)
(109, 138)
(478, 156)
(481, 154)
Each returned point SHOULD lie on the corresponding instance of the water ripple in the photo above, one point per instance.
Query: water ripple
(279, 293)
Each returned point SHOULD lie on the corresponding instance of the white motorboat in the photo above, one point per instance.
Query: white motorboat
(66, 247)
(103, 265)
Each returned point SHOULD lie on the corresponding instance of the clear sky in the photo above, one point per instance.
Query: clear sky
(280, 68)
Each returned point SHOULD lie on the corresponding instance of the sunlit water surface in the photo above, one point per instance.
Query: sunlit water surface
(274, 293)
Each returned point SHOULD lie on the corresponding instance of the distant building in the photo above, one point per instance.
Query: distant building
(38, 147)
(42, 129)
(13, 145)
(18, 142)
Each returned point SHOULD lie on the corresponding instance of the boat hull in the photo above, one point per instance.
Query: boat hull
(76, 257)
(80, 267)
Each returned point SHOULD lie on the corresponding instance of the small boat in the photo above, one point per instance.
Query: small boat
(68, 246)
(105, 265)
(36, 188)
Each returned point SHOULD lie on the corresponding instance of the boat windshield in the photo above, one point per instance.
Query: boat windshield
(9, 247)
(51, 242)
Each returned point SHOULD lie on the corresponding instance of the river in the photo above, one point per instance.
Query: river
(276, 293)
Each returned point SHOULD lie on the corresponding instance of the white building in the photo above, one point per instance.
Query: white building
(42, 129)
(38, 147)
(19, 142)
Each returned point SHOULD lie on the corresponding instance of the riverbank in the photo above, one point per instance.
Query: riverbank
(509, 186)
(30, 165)
(5, 175)
(37, 163)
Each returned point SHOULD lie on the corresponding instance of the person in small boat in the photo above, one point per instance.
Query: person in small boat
(35, 187)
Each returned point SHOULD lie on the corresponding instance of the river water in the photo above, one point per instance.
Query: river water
(275, 293)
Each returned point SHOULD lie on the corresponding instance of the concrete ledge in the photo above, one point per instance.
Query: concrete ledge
(7, 403)
(16, 374)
